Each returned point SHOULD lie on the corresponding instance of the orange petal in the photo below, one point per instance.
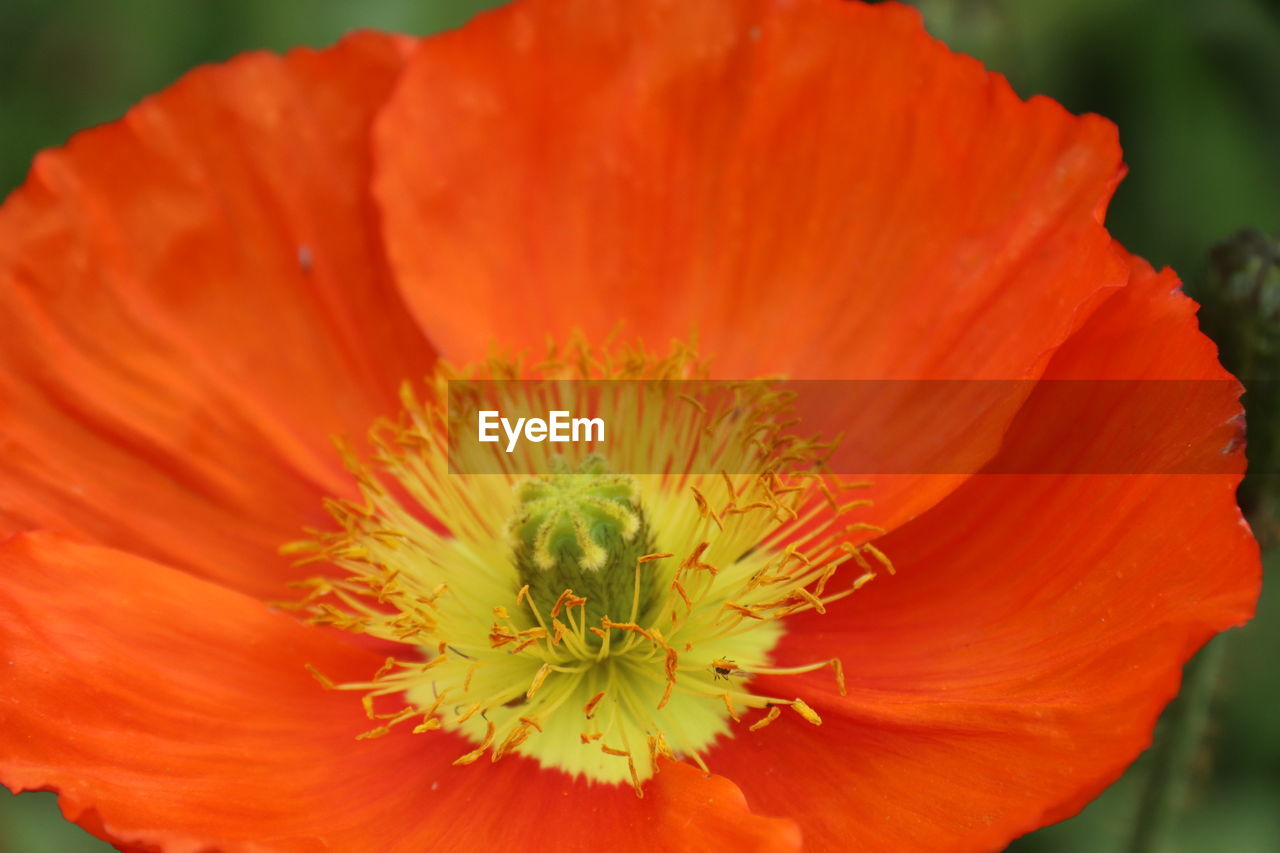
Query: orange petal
(515, 806)
(1164, 405)
(166, 709)
(1007, 674)
(816, 188)
(169, 711)
(195, 300)
(695, 811)
(1036, 626)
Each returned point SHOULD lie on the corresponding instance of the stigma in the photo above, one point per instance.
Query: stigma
(591, 616)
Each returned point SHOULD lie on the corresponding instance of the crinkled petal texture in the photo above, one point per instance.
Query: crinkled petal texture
(814, 188)
(1037, 625)
(195, 301)
(198, 296)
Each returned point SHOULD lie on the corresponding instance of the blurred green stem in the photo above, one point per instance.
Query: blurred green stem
(1172, 756)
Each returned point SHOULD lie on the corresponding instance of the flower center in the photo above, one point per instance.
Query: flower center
(594, 620)
(583, 531)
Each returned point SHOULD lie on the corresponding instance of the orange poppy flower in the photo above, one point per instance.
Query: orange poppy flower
(198, 296)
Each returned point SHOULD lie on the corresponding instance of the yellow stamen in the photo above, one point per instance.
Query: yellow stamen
(583, 616)
(766, 719)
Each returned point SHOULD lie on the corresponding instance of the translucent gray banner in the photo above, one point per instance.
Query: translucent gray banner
(847, 427)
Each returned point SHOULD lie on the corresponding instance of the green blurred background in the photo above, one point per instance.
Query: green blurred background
(1194, 86)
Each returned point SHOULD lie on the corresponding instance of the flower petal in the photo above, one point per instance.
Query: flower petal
(1036, 626)
(817, 188)
(813, 188)
(169, 711)
(165, 709)
(695, 811)
(195, 301)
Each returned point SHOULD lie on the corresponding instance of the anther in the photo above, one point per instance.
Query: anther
(810, 715)
(474, 755)
(768, 718)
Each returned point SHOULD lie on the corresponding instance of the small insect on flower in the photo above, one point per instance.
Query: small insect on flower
(724, 668)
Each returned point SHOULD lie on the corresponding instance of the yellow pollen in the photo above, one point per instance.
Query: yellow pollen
(594, 617)
(768, 718)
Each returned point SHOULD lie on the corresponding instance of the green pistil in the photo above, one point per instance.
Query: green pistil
(583, 531)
